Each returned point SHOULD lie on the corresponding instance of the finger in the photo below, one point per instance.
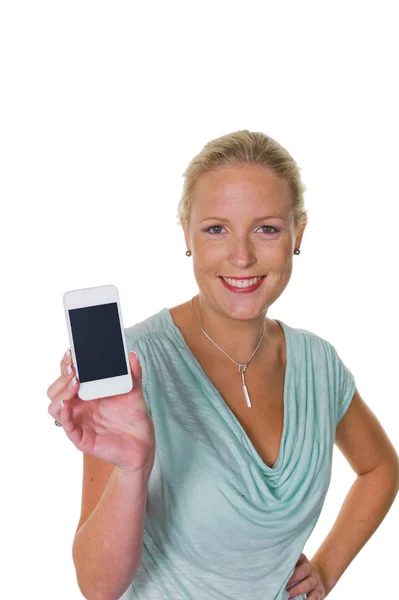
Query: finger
(300, 573)
(66, 419)
(305, 587)
(67, 392)
(55, 388)
(302, 569)
(293, 581)
(135, 365)
(316, 592)
(66, 359)
(315, 595)
(59, 384)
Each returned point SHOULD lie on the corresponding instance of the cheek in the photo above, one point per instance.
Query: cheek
(204, 269)
(280, 261)
(206, 247)
(207, 256)
(278, 255)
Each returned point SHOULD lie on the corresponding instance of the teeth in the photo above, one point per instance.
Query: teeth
(242, 284)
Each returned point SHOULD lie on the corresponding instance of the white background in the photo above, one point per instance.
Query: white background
(103, 104)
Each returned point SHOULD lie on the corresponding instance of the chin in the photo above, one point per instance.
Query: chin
(241, 310)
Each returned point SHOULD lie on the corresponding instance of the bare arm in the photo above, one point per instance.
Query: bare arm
(370, 453)
(107, 547)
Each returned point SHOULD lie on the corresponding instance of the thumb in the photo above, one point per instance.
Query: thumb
(135, 364)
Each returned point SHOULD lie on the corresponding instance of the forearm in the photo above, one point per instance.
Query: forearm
(365, 506)
(107, 548)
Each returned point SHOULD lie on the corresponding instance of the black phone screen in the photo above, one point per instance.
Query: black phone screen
(97, 338)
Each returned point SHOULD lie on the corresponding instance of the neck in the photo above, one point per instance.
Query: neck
(238, 338)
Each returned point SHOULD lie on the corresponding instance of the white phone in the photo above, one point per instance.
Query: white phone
(97, 342)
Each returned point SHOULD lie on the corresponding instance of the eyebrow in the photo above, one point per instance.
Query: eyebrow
(254, 220)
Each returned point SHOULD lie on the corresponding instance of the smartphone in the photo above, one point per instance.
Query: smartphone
(97, 341)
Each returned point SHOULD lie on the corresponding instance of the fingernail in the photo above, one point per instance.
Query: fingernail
(135, 353)
(72, 383)
(68, 370)
(62, 404)
(67, 354)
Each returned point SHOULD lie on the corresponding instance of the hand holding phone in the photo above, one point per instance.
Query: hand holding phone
(117, 429)
(94, 322)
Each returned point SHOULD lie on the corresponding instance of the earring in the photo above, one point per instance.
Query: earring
(188, 253)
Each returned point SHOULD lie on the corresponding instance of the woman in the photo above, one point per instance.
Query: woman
(207, 479)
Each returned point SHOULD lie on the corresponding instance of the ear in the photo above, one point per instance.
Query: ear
(299, 235)
(186, 232)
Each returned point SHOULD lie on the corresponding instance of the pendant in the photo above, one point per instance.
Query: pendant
(247, 398)
(242, 369)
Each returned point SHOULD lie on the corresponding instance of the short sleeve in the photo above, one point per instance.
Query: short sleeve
(345, 387)
(135, 345)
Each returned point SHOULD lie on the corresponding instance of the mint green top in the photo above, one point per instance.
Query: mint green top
(220, 524)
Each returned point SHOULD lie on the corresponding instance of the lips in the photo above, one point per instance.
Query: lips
(245, 290)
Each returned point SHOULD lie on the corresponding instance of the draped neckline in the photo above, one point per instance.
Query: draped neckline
(287, 381)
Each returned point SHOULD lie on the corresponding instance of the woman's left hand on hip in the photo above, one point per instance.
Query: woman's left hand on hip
(311, 580)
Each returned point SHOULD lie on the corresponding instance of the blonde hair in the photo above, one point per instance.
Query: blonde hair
(244, 147)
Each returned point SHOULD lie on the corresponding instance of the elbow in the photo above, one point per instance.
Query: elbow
(90, 593)
(387, 476)
(89, 585)
(97, 595)
(85, 582)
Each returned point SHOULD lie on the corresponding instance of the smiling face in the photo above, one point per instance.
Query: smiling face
(242, 226)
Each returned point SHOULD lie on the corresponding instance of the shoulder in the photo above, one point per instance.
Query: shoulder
(313, 353)
(150, 326)
(316, 355)
(306, 340)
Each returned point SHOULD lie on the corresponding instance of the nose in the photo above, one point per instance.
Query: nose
(242, 252)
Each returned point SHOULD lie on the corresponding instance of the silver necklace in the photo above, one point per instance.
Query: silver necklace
(241, 367)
